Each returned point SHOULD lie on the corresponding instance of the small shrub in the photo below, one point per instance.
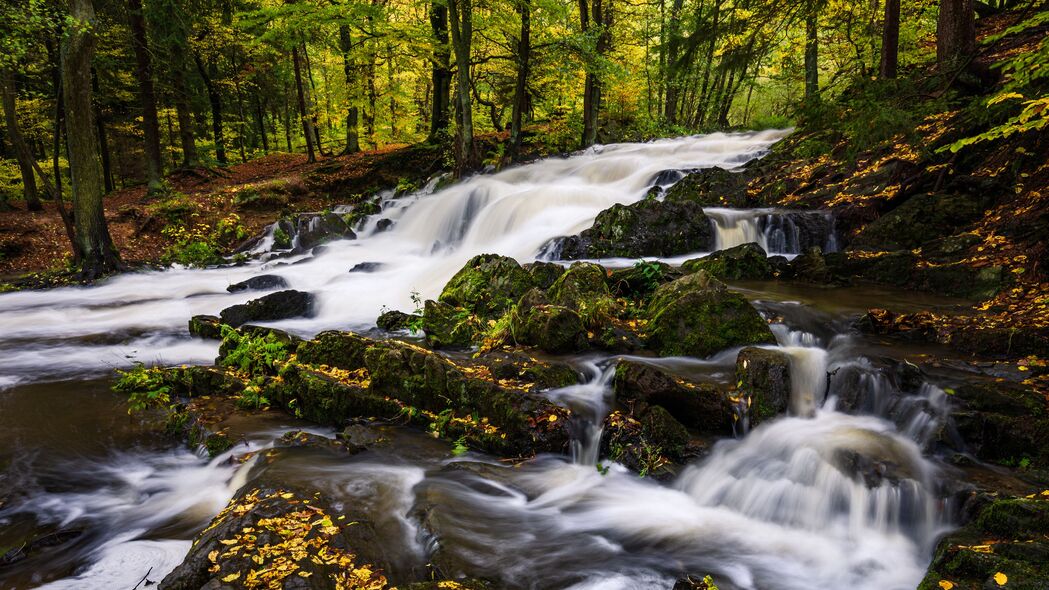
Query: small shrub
(251, 354)
(145, 387)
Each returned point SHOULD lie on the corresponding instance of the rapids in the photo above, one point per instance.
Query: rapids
(782, 507)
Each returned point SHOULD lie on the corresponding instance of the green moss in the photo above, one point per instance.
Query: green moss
(744, 262)
(446, 325)
(487, 286)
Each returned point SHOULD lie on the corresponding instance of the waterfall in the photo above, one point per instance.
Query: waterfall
(776, 231)
(590, 401)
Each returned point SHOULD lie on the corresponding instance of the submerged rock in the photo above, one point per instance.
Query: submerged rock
(208, 327)
(281, 305)
(743, 262)
(259, 283)
(306, 230)
(697, 315)
(763, 376)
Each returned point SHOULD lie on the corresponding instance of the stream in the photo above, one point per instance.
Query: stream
(780, 506)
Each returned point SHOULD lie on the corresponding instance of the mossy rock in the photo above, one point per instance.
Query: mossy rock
(640, 280)
(701, 407)
(393, 320)
(281, 305)
(763, 375)
(918, 220)
(646, 228)
(811, 266)
(663, 430)
(1007, 537)
(487, 286)
(320, 398)
(344, 350)
(743, 262)
(449, 326)
(962, 280)
(582, 281)
(551, 328)
(711, 187)
(544, 274)
(208, 327)
(698, 316)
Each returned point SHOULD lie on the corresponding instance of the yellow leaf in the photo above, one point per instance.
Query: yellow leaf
(231, 577)
(553, 417)
(1000, 579)
(946, 585)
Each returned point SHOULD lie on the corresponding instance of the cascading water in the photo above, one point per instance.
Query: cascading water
(776, 231)
(787, 506)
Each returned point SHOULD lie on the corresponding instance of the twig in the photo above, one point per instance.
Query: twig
(143, 578)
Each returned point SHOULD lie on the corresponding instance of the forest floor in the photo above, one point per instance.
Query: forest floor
(35, 242)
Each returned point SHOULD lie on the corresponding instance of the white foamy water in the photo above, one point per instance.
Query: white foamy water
(143, 316)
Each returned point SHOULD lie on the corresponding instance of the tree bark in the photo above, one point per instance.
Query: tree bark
(14, 134)
(955, 33)
(596, 14)
(441, 72)
(353, 143)
(524, 62)
(300, 93)
(671, 72)
(812, 72)
(215, 99)
(460, 14)
(94, 247)
(890, 40)
(147, 96)
(103, 141)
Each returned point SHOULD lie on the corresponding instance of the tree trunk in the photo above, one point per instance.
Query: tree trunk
(671, 72)
(460, 14)
(348, 68)
(260, 120)
(812, 71)
(441, 72)
(215, 98)
(310, 106)
(301, 96)
(183, 113)
(14, 134)
(955, 33)
(890, 40)
(524, 60)
(94, 247)
(600, 16)
(103, 140)
(146, 96)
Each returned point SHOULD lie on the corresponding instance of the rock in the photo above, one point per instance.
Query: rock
(208, 327)
(764, 376)
(1001, 421)
(366, 267)
(394, 320)
(646, 228)
(700, 407)
(301, 439)
(259, 283)
(582, 281)
(810, 266)
(920, 219)
(712, 187)
(487, 286)
(448, 326)
(383, 225)
(698, 316)
(663, 430)
(962, 280)
(551, 328)
(318, 397)
(308, 230)
(250, 544)
(744, 262)
(335, 349)
(281, 305)
(641, 279)
(1007, 537)
(545, 375)
(544, 274)
(34, 543)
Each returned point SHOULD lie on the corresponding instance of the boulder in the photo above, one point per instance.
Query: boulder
(646, 228)
(281, 305)
(581, 282)
(208, 327)
(1001, 421)
(763, 376)
(641, 279)
(743, 262)
(698, 316)
(487, 286)
(366, 267)
(551, 328)
(449, 326)
(259, 283)
(701, 407)
(306, 230)
(250, 544)
(663, 430)
(544, 274)
(711, 187)
(393, 320)
(810, 266)
(335, 349)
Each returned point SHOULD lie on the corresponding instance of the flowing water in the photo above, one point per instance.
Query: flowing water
(788, 505)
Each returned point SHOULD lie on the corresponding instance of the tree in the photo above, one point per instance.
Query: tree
(460, 14)
(147, 95)
(812, 66)
(440, 71)
(349, 68)
(890, 40)
(170, 27)
(14, 134)
(94, 251)
(594, 17)
(300, 93)
(524, 59)
(955, 33)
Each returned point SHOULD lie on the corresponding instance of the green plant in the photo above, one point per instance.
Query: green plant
(460, 447)
(602, 468)
(253, 397)
(253, 355)
(651, 273)
(281, 239)
(145, 386)
(415, 319)
(175, 209)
